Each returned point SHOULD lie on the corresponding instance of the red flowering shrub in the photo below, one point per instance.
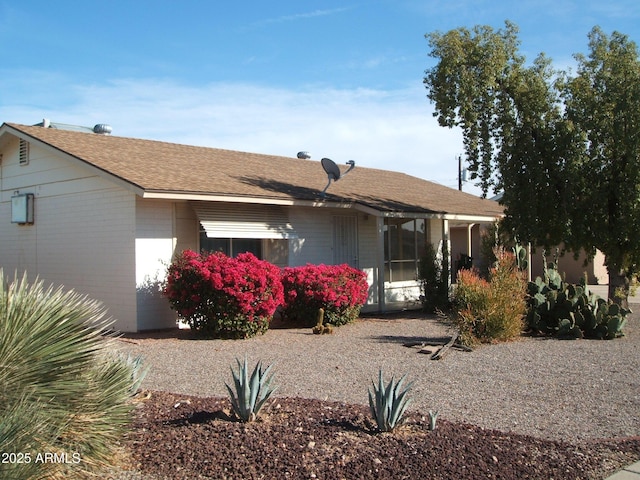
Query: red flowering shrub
(224, 297)
(340, 290)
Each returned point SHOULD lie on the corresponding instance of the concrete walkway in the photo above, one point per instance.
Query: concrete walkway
(632, 472)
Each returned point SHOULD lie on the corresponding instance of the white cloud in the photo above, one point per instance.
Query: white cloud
(300, 16)
(391, 130)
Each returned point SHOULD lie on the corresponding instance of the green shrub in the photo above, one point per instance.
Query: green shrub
(491, 310)
(434, 279)
(470, 301)
(62, 389)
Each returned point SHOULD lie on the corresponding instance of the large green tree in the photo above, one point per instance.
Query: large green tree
(564, 150)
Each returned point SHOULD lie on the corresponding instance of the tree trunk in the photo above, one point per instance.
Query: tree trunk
(618, 286)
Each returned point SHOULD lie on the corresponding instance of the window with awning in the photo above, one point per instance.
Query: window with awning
(226, 220)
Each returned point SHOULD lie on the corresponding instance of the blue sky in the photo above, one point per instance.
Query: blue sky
(338, 79)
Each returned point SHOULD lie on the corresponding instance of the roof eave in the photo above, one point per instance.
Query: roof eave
(320, 203)
(213, 197)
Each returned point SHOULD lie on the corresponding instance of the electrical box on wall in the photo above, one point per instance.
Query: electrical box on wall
(22, 208)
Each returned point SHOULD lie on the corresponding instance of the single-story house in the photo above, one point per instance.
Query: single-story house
(104, 215)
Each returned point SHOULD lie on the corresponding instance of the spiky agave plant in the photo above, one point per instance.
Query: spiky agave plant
(251, 391)
(61, 389)
(433, 419)
(388, 403)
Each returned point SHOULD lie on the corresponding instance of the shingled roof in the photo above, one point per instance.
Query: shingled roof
(154, 167)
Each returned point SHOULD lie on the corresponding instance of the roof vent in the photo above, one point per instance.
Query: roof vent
(102, 129)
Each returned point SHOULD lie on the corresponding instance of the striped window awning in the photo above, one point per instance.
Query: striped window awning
(238, 220)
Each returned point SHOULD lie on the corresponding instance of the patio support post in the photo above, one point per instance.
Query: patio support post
(446, 246)
(469, 238)
(380, 262)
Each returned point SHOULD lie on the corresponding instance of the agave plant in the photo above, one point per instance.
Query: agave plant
(138, 371)
(433, 418)
(388, 403)
(61, 388)
(251, 391)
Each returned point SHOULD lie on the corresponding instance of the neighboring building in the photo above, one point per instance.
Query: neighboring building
(110, 212)
(573, 268)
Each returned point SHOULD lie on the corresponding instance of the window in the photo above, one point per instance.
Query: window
(231, 246)
(404, 241)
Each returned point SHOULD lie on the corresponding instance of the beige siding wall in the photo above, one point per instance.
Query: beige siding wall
(83, 235)
(368, 251)
(187, 227)
(315, 236)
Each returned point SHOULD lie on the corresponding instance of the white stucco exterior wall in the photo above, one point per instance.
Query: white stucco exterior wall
(156, 225)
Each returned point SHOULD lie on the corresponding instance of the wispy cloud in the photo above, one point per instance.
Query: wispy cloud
(302, 16)
(392, 130)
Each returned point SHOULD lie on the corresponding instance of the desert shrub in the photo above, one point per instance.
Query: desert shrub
(433, 275)
(491, 310)
(340, 290)
(62, 389)
(224, 297)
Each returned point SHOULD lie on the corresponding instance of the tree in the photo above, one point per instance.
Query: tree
(603, 104)
(565, 151)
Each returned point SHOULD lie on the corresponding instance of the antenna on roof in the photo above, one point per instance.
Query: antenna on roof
(333, 171)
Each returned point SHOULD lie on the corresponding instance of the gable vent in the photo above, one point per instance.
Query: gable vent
(24, 152)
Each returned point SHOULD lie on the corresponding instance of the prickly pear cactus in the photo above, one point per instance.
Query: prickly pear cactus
(565, 310)
(520, 253)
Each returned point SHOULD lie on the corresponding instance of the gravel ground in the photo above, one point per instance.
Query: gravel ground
(546, 388)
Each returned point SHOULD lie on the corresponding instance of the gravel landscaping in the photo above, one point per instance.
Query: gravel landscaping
(534, 408)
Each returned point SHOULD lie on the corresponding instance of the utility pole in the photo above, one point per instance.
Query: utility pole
(460, 172)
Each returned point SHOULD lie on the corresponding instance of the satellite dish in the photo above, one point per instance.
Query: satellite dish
(333, 171)
(304, 155)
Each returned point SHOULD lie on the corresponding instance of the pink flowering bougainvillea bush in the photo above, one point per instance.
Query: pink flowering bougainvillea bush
(340, 290)
(224, 297)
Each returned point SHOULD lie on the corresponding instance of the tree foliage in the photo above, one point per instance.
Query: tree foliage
(564, 150)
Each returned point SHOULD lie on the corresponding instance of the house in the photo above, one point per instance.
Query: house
(104, 215)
